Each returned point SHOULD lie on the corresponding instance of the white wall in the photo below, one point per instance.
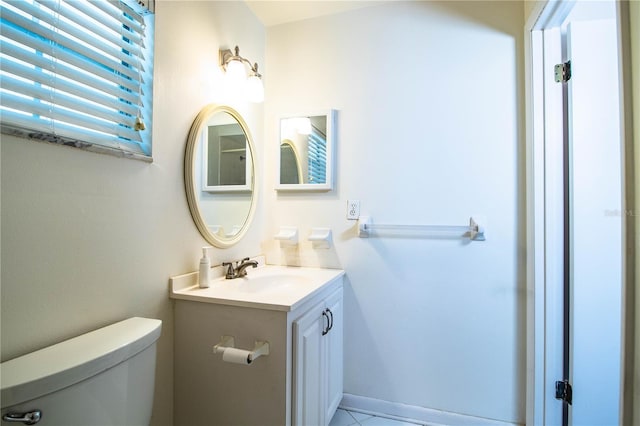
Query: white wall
(430, 131)
(90, 239)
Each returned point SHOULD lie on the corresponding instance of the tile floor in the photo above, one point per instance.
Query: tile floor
(354, 418)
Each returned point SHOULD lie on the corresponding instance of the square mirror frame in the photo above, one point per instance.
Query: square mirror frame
(330, 115)
(246, 187)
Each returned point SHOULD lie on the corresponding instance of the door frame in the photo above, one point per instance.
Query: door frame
(544, 245)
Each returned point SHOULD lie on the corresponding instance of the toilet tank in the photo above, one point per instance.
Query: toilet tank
(104, 377)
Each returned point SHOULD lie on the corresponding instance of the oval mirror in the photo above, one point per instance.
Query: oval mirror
(219, 175)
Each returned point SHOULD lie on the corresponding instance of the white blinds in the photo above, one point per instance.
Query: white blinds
(77, 72)
(317, 157)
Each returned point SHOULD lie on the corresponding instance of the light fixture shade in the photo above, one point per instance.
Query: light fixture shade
(247, 85)
(303, 125)
(236, 73)
(255, 89)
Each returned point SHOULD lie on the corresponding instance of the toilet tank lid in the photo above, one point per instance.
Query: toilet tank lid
(64, 364)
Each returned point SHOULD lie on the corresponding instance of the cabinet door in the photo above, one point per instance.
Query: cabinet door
(309, 376)
(333, 354)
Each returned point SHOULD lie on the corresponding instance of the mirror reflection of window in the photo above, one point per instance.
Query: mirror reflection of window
(317, 144)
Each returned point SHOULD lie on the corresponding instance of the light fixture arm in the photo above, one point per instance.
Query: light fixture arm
(227, 56)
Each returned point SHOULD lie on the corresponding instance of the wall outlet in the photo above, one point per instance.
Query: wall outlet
(353, 209)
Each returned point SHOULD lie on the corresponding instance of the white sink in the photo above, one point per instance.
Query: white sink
(268, 287)
(267, 282)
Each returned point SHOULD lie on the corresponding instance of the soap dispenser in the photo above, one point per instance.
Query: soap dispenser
(205, 269)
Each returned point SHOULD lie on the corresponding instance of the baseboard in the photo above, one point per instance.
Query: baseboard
(413, 413)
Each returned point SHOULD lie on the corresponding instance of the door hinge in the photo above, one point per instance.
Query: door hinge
(563, 72)
(564, 391)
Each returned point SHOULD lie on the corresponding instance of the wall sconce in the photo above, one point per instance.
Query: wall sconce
(234, 66)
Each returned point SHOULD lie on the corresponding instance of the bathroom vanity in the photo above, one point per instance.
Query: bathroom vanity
(298, 311)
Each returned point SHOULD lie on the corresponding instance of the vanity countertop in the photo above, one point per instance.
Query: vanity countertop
(280, 288)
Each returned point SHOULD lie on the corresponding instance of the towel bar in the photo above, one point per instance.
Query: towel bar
(473, 231)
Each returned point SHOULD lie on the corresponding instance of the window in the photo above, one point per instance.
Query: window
(78, 73)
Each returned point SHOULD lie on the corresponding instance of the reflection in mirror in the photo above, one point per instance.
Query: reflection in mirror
(306, 152)
(227, 163)
(219, 175)
(290, 171)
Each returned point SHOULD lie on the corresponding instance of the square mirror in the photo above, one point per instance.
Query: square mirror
(306, 145)
(226, 160)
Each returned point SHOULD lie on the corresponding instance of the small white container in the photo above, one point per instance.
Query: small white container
(204, 274)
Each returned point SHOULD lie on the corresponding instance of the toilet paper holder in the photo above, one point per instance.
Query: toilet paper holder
(260, 348)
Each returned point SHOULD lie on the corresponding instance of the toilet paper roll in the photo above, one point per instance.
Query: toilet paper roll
(236, 356)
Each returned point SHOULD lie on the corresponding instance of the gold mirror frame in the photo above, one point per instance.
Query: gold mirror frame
(191, 151)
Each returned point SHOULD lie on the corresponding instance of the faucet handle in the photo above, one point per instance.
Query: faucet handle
(230, 270)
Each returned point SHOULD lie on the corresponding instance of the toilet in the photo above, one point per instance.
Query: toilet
(104, 377)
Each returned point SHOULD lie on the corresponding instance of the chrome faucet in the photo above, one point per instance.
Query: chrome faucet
(240, 270)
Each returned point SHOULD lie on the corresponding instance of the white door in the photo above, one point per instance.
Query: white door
(595, 221)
